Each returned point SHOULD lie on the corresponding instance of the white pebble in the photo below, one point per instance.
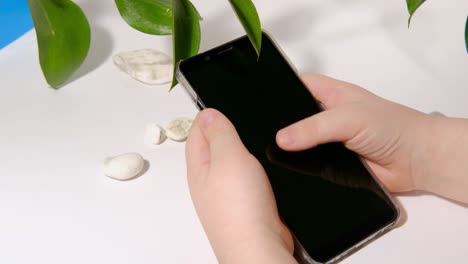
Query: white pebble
(125, 166)
(155, 134)
(146, 65)
(179, 128)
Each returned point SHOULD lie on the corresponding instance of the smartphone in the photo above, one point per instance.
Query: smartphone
(327, 195)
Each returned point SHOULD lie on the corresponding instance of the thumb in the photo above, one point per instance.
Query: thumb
(221, 136)
(334, 125)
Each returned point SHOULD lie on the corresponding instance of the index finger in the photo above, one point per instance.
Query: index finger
(331, 92)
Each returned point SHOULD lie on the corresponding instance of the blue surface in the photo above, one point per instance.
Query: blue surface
(15, 20)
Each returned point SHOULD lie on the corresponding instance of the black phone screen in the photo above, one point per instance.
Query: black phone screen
(325, 195)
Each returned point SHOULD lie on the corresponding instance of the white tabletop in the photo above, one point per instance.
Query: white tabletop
(57, 207)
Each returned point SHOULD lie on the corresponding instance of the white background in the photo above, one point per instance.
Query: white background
(57, 207)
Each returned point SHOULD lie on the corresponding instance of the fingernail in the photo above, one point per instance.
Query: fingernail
(285, 137)
(207, 117)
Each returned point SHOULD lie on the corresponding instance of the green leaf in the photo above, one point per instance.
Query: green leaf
(148, 16)
(186, 35)
(413, 5)
(63, 37)
(249, 19)
(466, 34)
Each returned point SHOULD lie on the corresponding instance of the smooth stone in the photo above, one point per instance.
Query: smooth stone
(179, 128)
(155, 134)
(124, 167)
(146, 65)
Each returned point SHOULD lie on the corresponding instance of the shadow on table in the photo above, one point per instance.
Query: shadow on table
(99, 51)
(101, 40)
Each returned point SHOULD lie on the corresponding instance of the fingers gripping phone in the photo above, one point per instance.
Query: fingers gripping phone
(327, 196)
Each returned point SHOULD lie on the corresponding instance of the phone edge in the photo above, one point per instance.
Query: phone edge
(188, 88)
